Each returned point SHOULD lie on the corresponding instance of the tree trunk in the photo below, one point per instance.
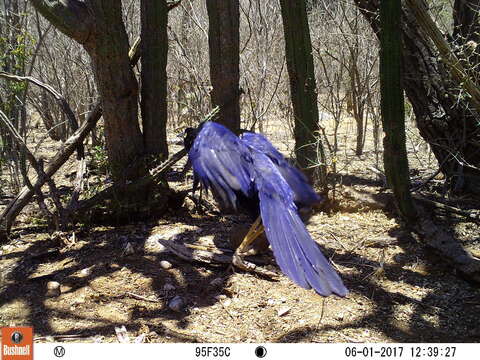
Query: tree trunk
(393, 111)
(360, 136)
(298, 50)
(154, 49)
(224, 48)
(118, 90)
(443, 114)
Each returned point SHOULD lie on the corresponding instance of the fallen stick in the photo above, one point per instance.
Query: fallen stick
(139, 297)
(176, 245)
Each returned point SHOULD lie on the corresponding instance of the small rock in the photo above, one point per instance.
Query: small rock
(221, 297)
(283, 299)
(86, 271)
(65, 288)
(176, 304)
(122, 334)
(168, 287)
(271, 302)
(98, 339)
(53, 289)
(227, 302)
(283, 311)
(140, 339)
(164, 264)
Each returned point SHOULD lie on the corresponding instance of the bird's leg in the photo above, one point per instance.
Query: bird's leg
(198, 202)
(255, 231)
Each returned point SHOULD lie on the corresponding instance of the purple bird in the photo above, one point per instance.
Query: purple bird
(250, 174)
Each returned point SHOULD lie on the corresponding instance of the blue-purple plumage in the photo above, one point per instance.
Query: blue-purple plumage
(222, 163)
(251, 168)
(303, 192)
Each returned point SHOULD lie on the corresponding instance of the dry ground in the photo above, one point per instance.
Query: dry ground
(399, 290)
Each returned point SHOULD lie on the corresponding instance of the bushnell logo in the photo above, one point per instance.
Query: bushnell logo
(17, 343)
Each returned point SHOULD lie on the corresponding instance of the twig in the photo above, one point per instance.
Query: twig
(139, 297)
(379, 173)
(338, 241)
(430, 178)
(226, 310)
(110, 190)
(455, 66)
(448, 208)
(173, 4)
(60, 337)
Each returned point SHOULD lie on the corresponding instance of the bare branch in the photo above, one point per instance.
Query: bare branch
(38, 166)
(59, 97)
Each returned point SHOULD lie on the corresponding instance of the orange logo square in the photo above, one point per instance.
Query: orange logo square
(17, 343)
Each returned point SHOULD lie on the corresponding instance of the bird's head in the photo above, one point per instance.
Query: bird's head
(189, 136)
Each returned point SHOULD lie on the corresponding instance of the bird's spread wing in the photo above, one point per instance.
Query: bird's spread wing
(222, 162)
(295, 251)
(303, 192)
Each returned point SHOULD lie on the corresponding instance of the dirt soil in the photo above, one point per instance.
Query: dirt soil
(111, 277)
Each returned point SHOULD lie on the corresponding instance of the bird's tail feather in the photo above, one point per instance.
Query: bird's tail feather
(295, 251)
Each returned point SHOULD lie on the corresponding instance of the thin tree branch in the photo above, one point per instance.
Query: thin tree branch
(59, 97)
(38, 166)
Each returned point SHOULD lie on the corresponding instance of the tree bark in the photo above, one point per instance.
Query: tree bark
(298, 50)
(393, 111)
(70, 17)
(118, 90)
(443, 114)
(224, 53)
(154, 51)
